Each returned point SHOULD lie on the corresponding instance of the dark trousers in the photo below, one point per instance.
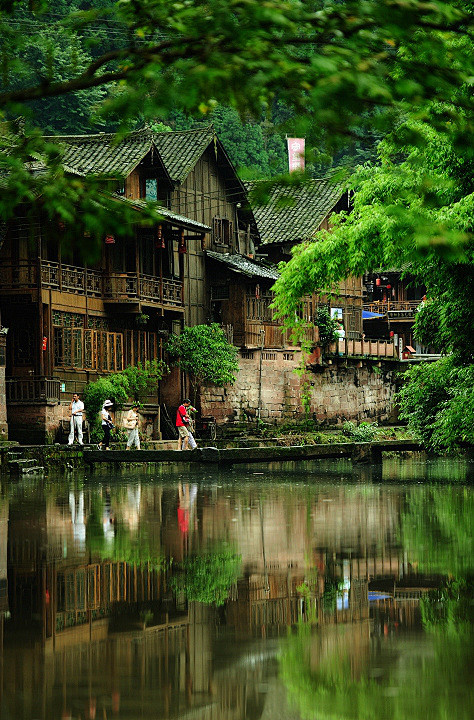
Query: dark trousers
(106, 438)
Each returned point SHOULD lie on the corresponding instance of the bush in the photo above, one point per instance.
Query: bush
(134, 382)
(365, 432)
(205, 355)
(438, 403)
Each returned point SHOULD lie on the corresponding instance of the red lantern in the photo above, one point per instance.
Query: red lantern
(182, 244)
(109, 240)
(392, 333)
(389, 287)
(44, 344)
(378, 282)
(160, 241)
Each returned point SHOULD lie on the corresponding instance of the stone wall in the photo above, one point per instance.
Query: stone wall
(348, 389)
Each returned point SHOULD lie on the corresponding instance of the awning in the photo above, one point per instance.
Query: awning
(367, 315)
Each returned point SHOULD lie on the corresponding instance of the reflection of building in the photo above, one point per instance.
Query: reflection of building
(3, 557)
(77, 644)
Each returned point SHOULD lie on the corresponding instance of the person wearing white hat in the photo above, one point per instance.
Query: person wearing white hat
(107, 424)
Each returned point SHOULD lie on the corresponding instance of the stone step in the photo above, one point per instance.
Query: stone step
(13, 455)
(21, 464)
(33, 470)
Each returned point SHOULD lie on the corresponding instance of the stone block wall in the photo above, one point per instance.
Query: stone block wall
(345, 390)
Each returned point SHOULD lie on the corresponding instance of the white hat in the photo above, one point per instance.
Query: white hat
(107, 403)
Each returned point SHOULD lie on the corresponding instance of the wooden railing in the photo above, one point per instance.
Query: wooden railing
(275, 336)
(18, 275)
(122, 287)
(25, 390)
(399, 307)
(377, 348)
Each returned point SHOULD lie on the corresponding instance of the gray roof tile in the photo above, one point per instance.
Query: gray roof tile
(244, 265)
(103, 154)
(295, 213)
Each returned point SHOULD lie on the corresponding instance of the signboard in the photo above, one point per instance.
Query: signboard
(295, 154)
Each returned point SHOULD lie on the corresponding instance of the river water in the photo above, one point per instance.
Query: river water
(283, 593)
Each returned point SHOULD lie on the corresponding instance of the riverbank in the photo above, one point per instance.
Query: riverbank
(37, 459)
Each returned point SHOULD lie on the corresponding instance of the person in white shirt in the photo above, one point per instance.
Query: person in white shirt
(131, 425)
(76, 409)
(107, 424)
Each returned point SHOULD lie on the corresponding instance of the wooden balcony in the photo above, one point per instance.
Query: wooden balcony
(365, 348)
(134, 288)
(116, 287)
(275, 336)
(394, 309)
(28, 390)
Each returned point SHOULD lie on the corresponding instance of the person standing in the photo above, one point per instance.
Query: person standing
(182, 422)
(76, 409)
(107, 424)
(131, 424)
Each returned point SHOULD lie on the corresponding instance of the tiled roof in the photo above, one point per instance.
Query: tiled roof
(244, 265)
(103, 154)
(179, 220)
(180, 151)
(295, 213)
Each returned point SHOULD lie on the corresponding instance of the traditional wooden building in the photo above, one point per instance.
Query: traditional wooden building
(241, 299)
(70, 323)
(390, 302)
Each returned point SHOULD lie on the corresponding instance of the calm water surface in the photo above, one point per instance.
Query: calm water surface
(281, 593)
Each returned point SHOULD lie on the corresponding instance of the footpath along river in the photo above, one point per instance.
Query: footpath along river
(290, 592)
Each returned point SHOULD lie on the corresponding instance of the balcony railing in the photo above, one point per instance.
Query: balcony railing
(26, 390)
(368, 348)
(121, 287)
(394, 308)
(275, 336)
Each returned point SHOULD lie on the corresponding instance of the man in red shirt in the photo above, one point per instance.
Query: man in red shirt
(182, 422)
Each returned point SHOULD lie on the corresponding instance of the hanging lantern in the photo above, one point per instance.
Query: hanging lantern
(378, 282)
(160, 241)
(391, 333)
(182, 244)
(389, 287)
(109, 240)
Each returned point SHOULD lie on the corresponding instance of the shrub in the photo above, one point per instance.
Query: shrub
(365, 432)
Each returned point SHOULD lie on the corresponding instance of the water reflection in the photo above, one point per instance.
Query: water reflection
(238, 595)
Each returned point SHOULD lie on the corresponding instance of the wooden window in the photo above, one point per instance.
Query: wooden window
(88, 349)
(139, 346)
(222, 231)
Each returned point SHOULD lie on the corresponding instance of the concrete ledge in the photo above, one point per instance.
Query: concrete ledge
(358, 452)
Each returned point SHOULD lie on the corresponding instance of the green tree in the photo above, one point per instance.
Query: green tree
(205, 355)
(413, 211)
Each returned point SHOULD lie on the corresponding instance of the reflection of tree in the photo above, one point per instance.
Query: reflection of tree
(323, 684)
(207, 578)
(124, 545)
(450, 609)
(437, 529)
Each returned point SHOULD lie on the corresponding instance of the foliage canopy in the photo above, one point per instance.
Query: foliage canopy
(336, 67)
(205, 355)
